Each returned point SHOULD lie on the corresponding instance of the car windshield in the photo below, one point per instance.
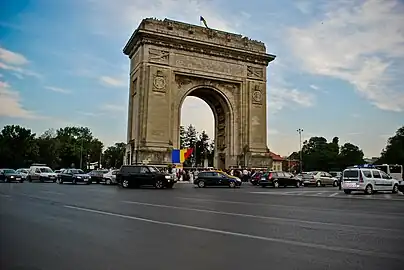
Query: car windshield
(153, 169)
(77, 171)
(45, 170)
(9, 171)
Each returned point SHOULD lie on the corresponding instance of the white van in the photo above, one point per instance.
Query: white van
(41, 172)
(368, 180)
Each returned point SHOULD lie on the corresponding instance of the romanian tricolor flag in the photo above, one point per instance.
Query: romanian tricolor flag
(179, 156)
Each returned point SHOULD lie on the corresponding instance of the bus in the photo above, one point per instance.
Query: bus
(395, 171)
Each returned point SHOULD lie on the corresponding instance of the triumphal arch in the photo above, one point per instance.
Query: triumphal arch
(170, 60)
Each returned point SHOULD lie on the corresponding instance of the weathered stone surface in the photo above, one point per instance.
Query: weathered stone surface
(172, 60)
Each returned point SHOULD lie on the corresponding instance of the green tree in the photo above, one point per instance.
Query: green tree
(315, 153)
(18, 147)
(350, 155)
(183, 138)
(113, 156)
(394, 151)
(191, 137)
(202, 148)
(48, 149)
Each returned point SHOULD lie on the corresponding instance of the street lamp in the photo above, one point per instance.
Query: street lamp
(300, 131)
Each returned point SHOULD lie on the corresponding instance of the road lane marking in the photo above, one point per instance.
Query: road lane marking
(244, 235)
(292, 220)
(334, 194)
(395, 215)
(51, 192)
(5, 196)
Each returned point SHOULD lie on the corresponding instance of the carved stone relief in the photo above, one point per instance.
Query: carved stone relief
(158, 56)
(257, 95)
(159, 82)
(255, 72)
(183, 80)
(208, 65)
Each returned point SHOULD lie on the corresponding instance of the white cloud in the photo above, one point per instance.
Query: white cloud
(125, 15)
(361, 44)
(314, 87)
(11, 104)
(114, 108)
(1, 75)
(280, 97)
(196, 112)
(18, 71)
(112, 81)
(57, 89)
(12, 58)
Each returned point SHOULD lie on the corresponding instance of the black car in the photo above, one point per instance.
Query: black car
(143, 175)
(73, 176)
(216, 178)
(10, 175)
(279, 179)
(401, 186)
(98, 175)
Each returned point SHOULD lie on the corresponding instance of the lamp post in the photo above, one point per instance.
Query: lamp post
(300, 131)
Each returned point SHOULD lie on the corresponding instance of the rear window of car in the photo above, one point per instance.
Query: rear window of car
(367, 174)
(351, 174)
(130, 169)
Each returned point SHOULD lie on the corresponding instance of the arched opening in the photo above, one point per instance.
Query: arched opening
(217, 112)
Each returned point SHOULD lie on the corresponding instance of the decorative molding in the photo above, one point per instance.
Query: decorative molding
(255, 72)
(183, 80)
(257, 95)
(159, 82)
(206, 49)
(158, 56)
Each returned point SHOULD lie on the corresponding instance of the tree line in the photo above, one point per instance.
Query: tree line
(78, 147)
(318, 154)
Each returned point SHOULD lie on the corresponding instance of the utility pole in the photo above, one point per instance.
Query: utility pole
(300, 131)
(81, 153)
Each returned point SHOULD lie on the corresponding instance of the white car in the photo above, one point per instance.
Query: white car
(110, 177)
(42, 173)
(368, 180)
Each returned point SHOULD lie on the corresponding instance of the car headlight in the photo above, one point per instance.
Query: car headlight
(89, 177)
(78, 177)
(168, 176)
(262, 178)
(12, 176)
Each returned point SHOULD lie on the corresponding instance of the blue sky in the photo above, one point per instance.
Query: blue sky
(337, 71)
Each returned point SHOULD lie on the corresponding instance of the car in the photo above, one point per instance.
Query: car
(73, 176)
(10, 175)
(41, 172)
(23, 172)
(110, 177)
(319, 179)
(279, 179)
(401, 186)
(216, 178)
(368, 180)
(255, 178)
(98, 175)
(143, 175)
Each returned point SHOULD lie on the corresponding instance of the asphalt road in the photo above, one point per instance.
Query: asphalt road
(50, 226)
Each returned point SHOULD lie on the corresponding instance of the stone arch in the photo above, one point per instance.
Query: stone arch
(223, 113)
(170, 60)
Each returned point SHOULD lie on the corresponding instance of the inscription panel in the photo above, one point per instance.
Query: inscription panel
(255, 72)
(158, 56)
(208, 65)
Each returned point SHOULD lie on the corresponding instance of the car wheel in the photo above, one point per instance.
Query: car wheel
(159, 184)
(318, 183)
(201, 184)
(276, 184)
(232, 184)
(346, 191)
(125, 183)
(335, 184)
(297, 184)
(108, 182)
(74, 181)
(368, 190)
(395, 189)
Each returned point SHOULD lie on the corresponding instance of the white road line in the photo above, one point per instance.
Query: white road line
(292, 220)
(334, 194)
(5, 196)
(394, 215)
(319, 193)
(51, 192)
(244, 235)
